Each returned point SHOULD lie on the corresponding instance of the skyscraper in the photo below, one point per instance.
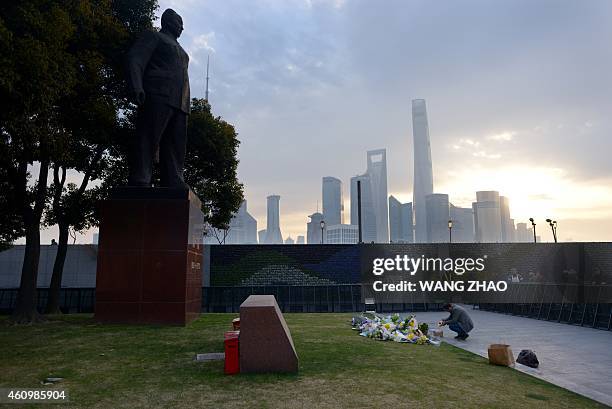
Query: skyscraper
(377, 171)
(368, 217)
(273, 232)
(374, 205)
(487, 217)
(400, 221)
(261, 236)
(423, 173)
(342, 234)
(508, 231)
(463, 224)
(438, 214)
(524, 234)
(396, 227)
(333, 204)
(242, 230)
(242, 227)
(313, 229)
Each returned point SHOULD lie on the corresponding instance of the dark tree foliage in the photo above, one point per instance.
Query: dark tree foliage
(94, 116)
(36, 71)
(212, 163)
(61, 92)
(10, 218)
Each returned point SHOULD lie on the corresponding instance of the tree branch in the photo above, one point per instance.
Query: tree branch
(21, 182)
(58, 188)
(41, 187)
(89, 171)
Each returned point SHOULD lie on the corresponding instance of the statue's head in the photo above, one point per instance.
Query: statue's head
(172, 22)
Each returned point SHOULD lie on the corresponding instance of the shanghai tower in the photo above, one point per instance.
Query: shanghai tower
(423, 173)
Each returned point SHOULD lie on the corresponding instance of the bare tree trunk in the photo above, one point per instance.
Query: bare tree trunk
(53, 303)
(63, 214)
(25, 310)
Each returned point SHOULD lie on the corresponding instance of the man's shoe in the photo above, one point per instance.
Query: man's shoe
(458, 337)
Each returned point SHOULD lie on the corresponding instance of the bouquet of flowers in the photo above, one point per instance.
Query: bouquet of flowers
(394, 328)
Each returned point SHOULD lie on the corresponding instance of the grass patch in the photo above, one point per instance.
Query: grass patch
(536, 396)
(152, 366)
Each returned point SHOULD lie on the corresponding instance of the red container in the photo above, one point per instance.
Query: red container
(232, 355)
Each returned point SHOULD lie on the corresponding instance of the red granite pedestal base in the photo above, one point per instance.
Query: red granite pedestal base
(150, 257)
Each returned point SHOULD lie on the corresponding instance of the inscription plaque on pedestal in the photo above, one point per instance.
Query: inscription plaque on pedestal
(265, 341)
(150, 257)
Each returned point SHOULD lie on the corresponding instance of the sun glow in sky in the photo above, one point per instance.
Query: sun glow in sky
(537, 192)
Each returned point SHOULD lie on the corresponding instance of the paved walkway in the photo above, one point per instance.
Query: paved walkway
(575, 358)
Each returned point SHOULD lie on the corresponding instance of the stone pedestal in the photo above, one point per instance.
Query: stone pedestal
(150, 257)
(265, 340)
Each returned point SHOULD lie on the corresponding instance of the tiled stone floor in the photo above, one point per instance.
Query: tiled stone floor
(575, 358)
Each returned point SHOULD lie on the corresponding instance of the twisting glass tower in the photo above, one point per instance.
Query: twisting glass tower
(423, 173)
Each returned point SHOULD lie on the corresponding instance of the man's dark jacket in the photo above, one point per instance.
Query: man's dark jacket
(459, 315)
(157, 65)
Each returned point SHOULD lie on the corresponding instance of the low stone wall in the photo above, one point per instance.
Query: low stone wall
(328, 264)
(79, 269)
(260, 265)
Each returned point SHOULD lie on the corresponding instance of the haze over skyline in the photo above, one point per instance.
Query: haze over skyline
(518, 98)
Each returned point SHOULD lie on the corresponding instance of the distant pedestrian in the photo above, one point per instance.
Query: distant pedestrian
(458, 321)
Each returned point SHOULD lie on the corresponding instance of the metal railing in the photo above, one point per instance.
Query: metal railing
(322, 298)
(535, 301)
(72, 300)
(348, 298)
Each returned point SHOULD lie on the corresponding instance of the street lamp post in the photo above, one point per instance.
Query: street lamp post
(450, 231)
(360, 241)
(533, 225)
(322, 228)
(553, 227)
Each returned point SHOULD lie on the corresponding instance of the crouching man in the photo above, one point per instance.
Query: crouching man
(458, 321)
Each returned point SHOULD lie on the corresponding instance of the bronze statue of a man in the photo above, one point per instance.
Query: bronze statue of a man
(159, 85)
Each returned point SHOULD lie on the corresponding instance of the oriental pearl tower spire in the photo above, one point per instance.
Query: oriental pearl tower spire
(207, 77)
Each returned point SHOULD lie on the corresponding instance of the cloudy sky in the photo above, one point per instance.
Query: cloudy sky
(519, 98)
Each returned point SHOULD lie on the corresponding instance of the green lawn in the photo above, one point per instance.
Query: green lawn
(112, 366)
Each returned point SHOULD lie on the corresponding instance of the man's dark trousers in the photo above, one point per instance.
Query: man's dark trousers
(158, 124)
(458, 329)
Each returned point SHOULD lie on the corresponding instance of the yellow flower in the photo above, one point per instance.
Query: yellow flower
(411, 336)
(387, 325)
